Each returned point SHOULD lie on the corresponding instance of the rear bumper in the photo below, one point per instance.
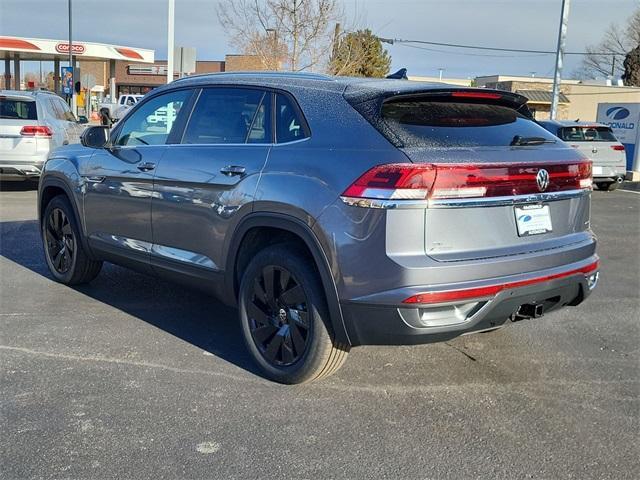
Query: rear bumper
(372, 323)
(24, 168)
(609, 173)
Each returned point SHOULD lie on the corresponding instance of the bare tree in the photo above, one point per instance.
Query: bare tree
(295, 33)
(606, 58)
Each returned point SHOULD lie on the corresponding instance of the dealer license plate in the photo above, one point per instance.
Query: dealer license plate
(533, 220)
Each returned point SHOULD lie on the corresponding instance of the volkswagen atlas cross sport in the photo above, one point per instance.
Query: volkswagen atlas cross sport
(334, 212)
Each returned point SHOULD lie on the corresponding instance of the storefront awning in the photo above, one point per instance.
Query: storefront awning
(542, 96)
(46, 49)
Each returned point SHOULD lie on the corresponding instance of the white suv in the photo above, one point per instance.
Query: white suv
(31, 125)
(597, 142)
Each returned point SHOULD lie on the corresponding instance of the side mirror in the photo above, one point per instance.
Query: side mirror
(95, 137)
(82, 120)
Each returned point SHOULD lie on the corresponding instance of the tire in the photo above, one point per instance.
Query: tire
(607, 186)
(284, 317)
(66, 258)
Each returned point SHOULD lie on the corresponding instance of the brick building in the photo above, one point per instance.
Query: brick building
(134, 77)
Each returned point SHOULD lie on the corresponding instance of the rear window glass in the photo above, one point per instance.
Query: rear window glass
(452, 124)
(587, 134)
(19, 109)
(289, 124)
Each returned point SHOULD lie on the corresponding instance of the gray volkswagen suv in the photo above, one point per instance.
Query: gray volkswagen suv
(333, 212)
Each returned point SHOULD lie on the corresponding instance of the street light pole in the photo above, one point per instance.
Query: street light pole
(170, 20)
(562, 34)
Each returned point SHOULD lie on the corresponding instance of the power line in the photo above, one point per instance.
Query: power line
(465, 54)
(393, 41)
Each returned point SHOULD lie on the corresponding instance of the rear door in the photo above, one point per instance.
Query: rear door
(203, 184)
(503, 185)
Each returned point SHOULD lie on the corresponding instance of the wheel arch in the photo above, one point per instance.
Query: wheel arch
(291, 226)
(51, 187)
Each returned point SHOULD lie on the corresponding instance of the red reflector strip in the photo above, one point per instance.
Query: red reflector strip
(492, 96)
(492, 290)
(619, 148)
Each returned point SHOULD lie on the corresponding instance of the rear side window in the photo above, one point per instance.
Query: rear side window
(65, 111)
(425, 123)
(587, 134)
(230, 115)
(289, 124)
(18, 109)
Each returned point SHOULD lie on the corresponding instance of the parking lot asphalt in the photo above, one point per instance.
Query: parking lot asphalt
(132, 377)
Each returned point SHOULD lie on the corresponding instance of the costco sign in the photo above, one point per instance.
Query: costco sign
(78, 48)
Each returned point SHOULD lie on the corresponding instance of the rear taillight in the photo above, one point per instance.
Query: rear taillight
(618, 148)
(405, 181)
(452, 181)
(36, 131)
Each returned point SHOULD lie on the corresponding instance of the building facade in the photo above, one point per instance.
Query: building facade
(138, 78)
(578, 99)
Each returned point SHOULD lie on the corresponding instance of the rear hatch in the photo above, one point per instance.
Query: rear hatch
(20, 133)
(596, 142)
(493, 182)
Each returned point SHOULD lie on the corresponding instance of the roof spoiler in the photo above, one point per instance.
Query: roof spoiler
(399, 75)
(480, 95)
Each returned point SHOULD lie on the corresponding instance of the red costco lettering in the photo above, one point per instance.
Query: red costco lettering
(77, 48)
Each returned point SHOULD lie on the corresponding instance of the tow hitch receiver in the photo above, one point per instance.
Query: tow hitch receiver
(527, 311)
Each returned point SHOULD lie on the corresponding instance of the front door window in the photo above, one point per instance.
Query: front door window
(151, 124)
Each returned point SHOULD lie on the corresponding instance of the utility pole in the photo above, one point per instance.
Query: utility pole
(170, 25)
(272, 33)
(562, 34)
(336, 40)
(613, 67)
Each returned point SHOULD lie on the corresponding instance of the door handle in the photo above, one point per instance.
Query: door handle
(231, 170)
(146, 166)
(95, 179)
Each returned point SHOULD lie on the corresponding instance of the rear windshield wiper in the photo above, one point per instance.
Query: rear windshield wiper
(519, 141)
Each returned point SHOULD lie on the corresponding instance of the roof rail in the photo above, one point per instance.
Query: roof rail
(263, 73)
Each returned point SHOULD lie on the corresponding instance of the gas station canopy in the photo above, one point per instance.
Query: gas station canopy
(46, 49)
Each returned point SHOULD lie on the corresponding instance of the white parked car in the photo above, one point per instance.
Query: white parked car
(597, 142)
(31, 125)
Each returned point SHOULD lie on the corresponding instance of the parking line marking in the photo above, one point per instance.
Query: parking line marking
(118, 361)
(629, 191)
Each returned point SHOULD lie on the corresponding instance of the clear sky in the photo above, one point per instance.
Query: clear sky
(527, 24)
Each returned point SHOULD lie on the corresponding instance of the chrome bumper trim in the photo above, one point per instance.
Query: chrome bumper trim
(465, 202)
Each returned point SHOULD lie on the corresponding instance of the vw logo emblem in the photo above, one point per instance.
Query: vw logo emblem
(542, 179)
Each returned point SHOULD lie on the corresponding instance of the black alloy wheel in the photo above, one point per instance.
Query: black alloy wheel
(60, 241)
(278, 316)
